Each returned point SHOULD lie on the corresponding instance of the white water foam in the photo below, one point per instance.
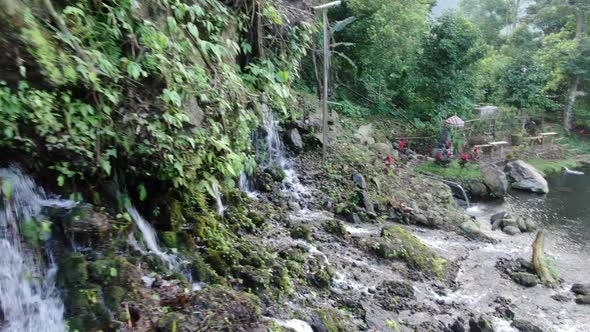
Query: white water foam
(296, 325)
(29, 300)
(218, 201)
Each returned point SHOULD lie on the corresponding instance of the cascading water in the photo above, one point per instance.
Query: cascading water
(218, 201)
(277, 156)
(150, 240)
(29, 300)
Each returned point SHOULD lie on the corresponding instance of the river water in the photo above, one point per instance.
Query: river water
(565, 215)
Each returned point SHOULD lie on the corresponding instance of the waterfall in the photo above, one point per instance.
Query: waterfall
(150, 240)
(29, 301)
(277, 155)
(218, 202)
(246, 186)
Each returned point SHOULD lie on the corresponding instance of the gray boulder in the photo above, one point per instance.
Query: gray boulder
(359, 179)
(498, 224)
(478, 189)
(511, 230)
(498, 216)
(482, 324)
(524, 326)
(584, 299)
(508, 221)
(294, 139)
(364, 135)
(525, 279)
(382, 149)
(526, 177)
(581, 289)
(495, 180)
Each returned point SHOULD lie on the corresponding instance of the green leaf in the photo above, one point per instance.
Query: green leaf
(142, 192)
(193, 30)
(134, 70)
(113, 272)
(282, 77)
(61, 180)
(7, 188)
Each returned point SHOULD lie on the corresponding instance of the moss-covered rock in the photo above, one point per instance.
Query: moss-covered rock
(171, 322)
(322, 278)
(72, 271)
(398, 243)
(113, 296)
(331, 320)
(335, 227)
(301, 232)
(170, 239)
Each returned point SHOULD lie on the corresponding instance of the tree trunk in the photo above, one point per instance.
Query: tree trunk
(325, 85)
(539, 260)
(568, 113)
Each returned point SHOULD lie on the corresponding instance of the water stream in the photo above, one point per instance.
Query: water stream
(29, 301)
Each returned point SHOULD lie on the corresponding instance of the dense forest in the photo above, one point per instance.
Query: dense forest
(203, 117)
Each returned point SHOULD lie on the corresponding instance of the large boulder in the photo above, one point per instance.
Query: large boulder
(526, 177)
(525, 279)
(294, 139)
(364, 134)
(383, 149)
(511, 230)
(495, 180)
(359, 180)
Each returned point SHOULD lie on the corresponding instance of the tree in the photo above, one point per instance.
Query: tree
(447, 68)
(491, 16)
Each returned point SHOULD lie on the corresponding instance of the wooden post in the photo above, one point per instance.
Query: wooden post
(324, 9)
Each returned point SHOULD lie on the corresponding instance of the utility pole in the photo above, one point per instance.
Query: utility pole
(324, 9)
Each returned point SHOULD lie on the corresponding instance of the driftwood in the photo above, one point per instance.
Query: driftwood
(539, 260)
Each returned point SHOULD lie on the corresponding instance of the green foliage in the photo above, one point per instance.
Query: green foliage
(450, 53)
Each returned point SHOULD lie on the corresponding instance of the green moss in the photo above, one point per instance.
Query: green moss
(170, 239)
(332, 320)
(301, 232)
(322, 278)
(335, 227)
(113, 297)
(73, 271)
(451, 171)
(397, 243)
(177, 219)
(171, 322)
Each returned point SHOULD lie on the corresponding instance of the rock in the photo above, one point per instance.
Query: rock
(560, 298)
(382, 149)
(354, 218)
(294, 139)
(509, 222)
(87, 226)
(526, 177)
(581, 289)
(531, 226)
(524, 326)
(366, 201)
(495, 179)
(525, 264)
(364, 135)
(499, 223)
(359, 179)
(521, 224)
(525, 279)
(584, 299)
(472, 230)
(480, 325)
(458, 325)
(498, 216)
(478, 189)
(511, 230)
(195, 113)
(420, 219)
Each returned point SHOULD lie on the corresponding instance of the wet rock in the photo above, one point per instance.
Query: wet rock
(366, 202)
(509, 222)
(478, 189)
(294, 139)
(561, 298)
(495, 179)
(354, 218)
(581, 289)
(584, 299)
(472, 230)
(458, 325)
(525, 264)
(359, 179)
(526, 177)
(420, 219)
(524, 326)
(511, 230)
(525, 279)
(504, 309)
(335, 227)
(498, 224)
(301, 232)
(482, 324)
(394, 295)
(87, 226)
(498, 216)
